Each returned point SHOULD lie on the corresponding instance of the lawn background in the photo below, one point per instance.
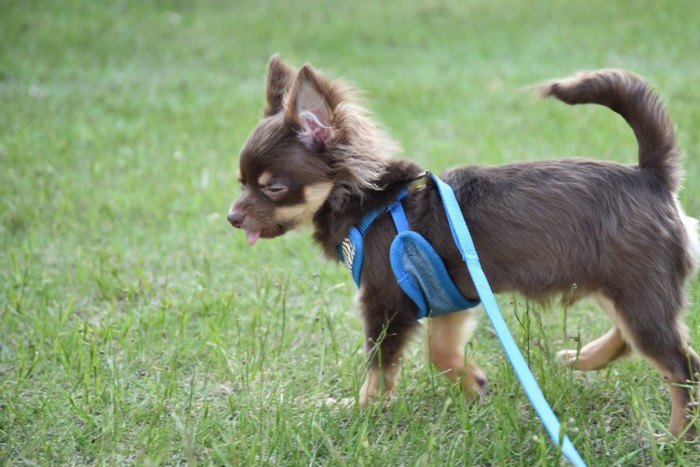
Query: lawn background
(136, 327)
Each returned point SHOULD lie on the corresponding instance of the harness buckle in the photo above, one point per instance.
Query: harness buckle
(420, 182)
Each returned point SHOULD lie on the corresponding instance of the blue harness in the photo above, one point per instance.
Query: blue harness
(422, 275)
(418, 268)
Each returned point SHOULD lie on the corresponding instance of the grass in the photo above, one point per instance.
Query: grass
(137, 328)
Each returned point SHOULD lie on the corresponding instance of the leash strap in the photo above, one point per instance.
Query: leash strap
(464, 242)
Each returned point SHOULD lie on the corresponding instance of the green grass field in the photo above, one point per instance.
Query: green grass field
(138, 328)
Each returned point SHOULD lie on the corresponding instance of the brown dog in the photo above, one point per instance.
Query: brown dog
(571, 227)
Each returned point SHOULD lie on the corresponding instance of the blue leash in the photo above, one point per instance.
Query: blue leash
(464, 243)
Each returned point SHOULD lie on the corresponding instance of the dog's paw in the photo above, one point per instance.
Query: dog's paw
(568, 357)
(380, 401)
(343, 402)
(475, 383)
(690, 433)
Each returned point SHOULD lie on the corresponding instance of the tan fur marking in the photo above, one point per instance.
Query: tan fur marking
(315, 195)
(609, 307)
(601, 351)
(264, 178)
(596, 354)
(445, 340)
(378, 382)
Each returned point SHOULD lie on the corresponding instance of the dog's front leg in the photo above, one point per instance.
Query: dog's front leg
(446, 337)
(379, 382)
(386, 335)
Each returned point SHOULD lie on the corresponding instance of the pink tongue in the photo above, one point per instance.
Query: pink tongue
(253, 236)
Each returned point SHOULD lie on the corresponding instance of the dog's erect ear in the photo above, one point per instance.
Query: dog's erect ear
(280, 77)
(310, 106)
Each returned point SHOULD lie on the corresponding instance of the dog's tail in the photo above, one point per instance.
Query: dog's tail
(629, 95)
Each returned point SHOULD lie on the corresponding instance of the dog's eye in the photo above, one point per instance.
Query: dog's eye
(275, 189)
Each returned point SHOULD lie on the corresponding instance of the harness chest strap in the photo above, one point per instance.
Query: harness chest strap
(419, 270)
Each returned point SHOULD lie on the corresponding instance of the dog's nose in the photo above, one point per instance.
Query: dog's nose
(236, 218)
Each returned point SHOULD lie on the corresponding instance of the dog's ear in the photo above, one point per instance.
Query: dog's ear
(310, 106)
(280, 77)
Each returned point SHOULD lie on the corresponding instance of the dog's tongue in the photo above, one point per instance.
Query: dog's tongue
(253, 236)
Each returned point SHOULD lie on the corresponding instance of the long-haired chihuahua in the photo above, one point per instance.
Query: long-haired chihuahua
(568, 227)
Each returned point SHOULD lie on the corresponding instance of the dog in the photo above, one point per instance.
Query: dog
(569, 227)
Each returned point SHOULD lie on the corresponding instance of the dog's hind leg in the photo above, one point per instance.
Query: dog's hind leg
(445, 340)
(598, 353)
(655, 331)
(680, 366)
(603, 350)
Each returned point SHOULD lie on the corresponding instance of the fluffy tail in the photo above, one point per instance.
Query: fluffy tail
(629, 95)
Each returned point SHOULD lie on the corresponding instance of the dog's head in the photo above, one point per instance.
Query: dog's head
(312, 146)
